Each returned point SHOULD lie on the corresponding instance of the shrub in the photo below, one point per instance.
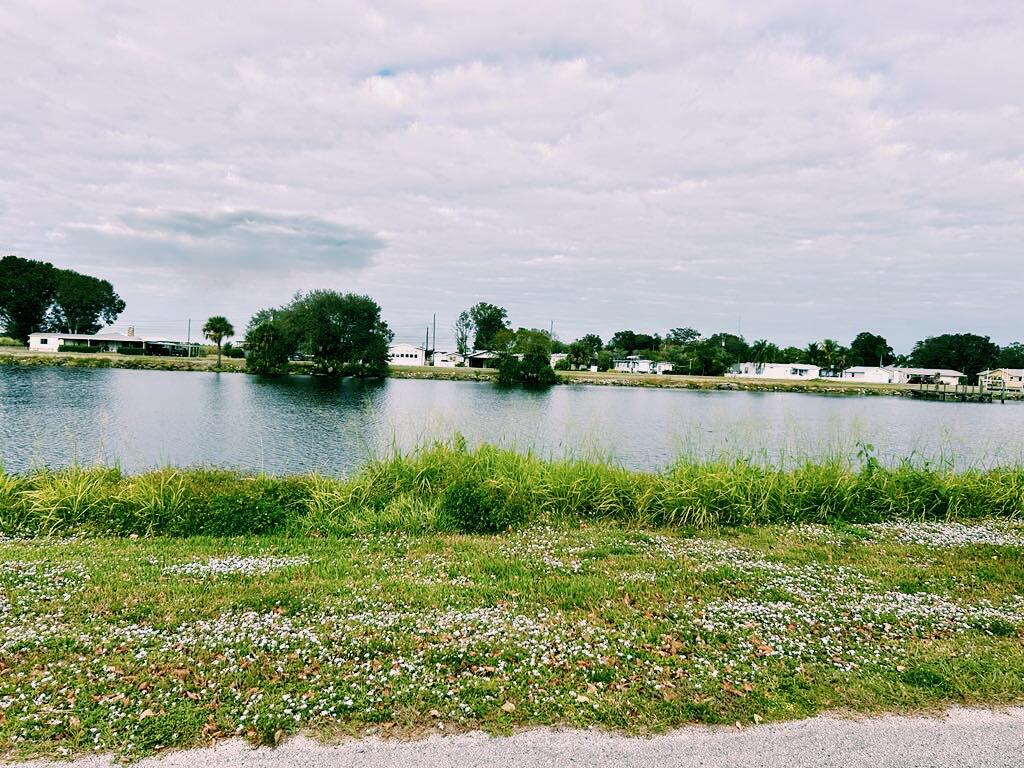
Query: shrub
(131, 351)
(472, 505)
(78, 348)
(7, 341)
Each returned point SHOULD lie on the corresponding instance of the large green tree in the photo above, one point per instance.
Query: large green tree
(26, 295)
(343, 333)
(966, 352)
(870, 349)
(82, 303)
(1012, 356)
(269, 343)
(216, 329)
(488, 321)
(35, 296)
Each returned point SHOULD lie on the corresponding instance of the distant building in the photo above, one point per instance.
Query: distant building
(406, 354)
(448, 359)
(870, 374)
(103, 342)
(776, 371)
(945, 376)
(636, 364)
(1002, 378)
(481, 358)
(557, 357)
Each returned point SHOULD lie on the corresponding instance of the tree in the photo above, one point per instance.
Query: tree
(631, 342)
(735, 347)
(813, 354)
(342, 333)
(763, 351)
(487, 320)
(26, 294)
(35, 296)
(1012, 356)
(833, 356)
(792, 355)
(682, 336)
(869, 349)
(580, 355)
(268, 345)
(463, 329)
(965, 352)
(605, 361)
(216, 329)
(525, 358)
(82, 304)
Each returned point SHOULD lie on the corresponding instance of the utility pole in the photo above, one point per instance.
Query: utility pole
(435, 332)
(188, 344)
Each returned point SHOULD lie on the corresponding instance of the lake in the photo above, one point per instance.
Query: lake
(143, 419)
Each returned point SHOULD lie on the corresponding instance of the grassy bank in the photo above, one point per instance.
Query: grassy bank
(23, 357)
(135, 645)
(448, 488)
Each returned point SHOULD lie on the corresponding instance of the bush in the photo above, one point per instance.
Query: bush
(78, 348)
(7, 341)
(472, 505)
(131, 351)
(562, 365)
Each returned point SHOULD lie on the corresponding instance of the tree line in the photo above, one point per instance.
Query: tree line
(36, 296)
(344, 334)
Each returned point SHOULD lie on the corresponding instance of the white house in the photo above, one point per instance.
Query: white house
(557, 357)
(776, 371)
(870, 374)
(635, 364)
(104, 342)
(927, 376)
(448, 359)
(406, 354)
(1002, 378)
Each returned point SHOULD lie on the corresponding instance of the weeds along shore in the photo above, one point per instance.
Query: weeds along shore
(449, 488)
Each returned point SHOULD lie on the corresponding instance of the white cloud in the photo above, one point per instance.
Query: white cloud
(815, 167)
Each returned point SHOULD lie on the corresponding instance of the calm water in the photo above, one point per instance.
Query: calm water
(142, 419)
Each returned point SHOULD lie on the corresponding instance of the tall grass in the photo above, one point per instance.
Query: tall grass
(449, 487)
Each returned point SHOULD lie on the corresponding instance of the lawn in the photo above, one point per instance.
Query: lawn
(136, 644)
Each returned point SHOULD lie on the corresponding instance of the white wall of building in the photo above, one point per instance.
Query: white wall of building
(406, 354)
(448, 359)
(797, 371)
(44, 342)
(869, 374)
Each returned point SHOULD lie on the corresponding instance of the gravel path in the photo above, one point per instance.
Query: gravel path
(962, 737)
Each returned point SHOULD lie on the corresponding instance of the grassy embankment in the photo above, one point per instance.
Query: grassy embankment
(193, 604)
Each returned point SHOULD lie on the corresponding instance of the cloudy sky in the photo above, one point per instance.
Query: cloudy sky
(797, 169)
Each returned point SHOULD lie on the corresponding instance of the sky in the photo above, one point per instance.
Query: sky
(793, 170)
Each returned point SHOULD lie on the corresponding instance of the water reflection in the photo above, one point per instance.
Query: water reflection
(141, 419)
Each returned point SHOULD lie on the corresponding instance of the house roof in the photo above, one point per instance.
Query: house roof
(1011, 371)
(929, 371)
(865, 368)
(91, 336)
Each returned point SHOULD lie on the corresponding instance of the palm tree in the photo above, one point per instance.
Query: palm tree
(834, 356)
(217, 329)
(813, 353)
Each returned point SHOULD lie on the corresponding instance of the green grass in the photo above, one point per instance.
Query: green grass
(453, 589)
(448, 488)
(136, 645)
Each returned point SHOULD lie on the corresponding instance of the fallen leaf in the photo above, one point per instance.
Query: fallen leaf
(508, 706)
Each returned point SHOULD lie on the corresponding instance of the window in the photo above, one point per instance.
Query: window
(44, 341)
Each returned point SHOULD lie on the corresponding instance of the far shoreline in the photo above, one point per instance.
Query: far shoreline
(17, 356)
